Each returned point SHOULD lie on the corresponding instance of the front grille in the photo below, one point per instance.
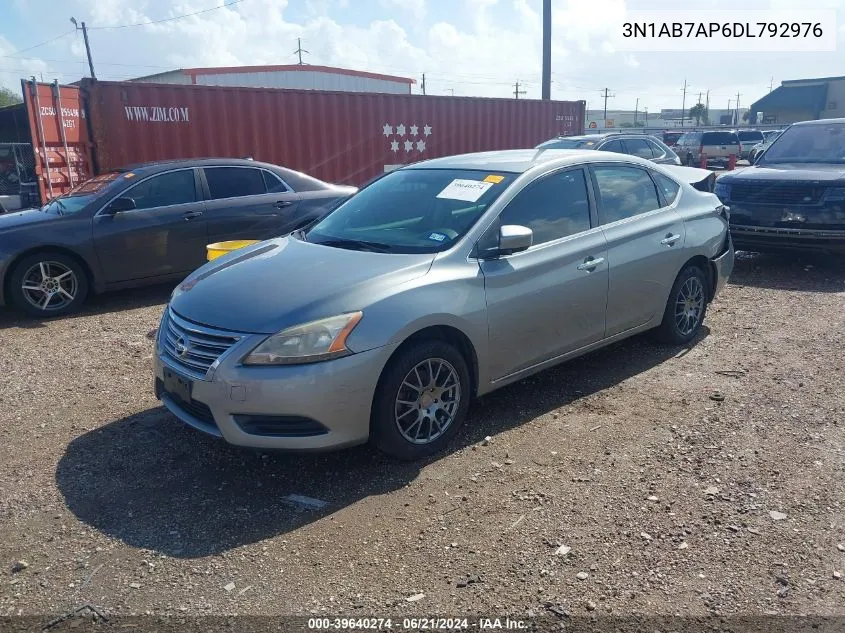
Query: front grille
(279, 426)
(780, 193)
(193, 348)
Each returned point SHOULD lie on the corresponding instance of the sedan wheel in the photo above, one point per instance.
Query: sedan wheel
(428, 400)
(421, 400)
(48, 284)
(686, 307)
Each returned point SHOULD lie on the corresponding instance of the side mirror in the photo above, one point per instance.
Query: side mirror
(514, 238)
(119, 205)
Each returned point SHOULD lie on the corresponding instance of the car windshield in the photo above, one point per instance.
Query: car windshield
(411, 211)
(80, 196)
(808, 144)
(568, 143)
(750, 136)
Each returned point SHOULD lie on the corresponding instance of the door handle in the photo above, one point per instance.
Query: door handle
(590, 263)
(281, 204)
(190, 215)
(670, 239)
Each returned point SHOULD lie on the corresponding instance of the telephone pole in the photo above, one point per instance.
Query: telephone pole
(517, 91)
(684, 104)
(707, 106)
(771, 84)
(87, 45)
(299, 50)
(636, 108)
(547, 50)
(606, 95)
(736, 115)
(645, 110)
(423, 84)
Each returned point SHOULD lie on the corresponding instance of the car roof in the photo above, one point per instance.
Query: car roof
(521, 160)
(820, 122)
(156, 166)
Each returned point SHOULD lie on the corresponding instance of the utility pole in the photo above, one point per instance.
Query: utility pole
(517, 91)
(547, 50)
(423, 84)
(87, 45)
(606, 95)
(707, 106)
(771, 84)
(299, 50)
(684, 104)
(636, 107)
(451, 91)
(646, 116)
(736, 116)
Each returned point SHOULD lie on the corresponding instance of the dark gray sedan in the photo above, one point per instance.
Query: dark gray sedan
(148, 224)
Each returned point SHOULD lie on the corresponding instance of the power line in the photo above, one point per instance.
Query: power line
(175, 17)
(52, 39)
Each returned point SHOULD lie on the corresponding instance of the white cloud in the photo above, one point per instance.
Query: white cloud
(416, 8)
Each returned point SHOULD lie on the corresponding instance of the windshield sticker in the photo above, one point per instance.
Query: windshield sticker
(468, 190)
(437, 237)
(494, 179)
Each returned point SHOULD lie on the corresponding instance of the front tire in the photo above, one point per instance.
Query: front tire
(421, 401)
(686, 307)
(48, 284)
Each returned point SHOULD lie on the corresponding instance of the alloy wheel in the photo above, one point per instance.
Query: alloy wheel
(689, 306)
(49, 286)
(427, 401)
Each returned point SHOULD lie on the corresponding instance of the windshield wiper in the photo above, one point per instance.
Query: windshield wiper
(360, 245)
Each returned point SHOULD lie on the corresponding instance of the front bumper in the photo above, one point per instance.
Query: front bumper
(317, 406)
(760, 238)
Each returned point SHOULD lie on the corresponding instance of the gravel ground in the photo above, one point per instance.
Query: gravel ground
(639, 479)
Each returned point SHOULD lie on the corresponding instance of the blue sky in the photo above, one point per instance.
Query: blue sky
(471, 47)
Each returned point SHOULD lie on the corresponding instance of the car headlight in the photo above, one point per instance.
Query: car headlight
(722, 190)
(307, 343)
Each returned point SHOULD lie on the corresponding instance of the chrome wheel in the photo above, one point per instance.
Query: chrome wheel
(49, 286)
(689, 306)
(428, 401)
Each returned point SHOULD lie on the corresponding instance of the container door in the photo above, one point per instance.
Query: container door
(59, 135)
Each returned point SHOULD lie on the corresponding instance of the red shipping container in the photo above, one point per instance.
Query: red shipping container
(339, 137)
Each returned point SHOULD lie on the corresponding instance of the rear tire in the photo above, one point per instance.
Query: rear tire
(685, 308)
(421, 401)
(47, 284)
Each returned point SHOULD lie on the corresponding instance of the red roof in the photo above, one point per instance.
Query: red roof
(193, 72)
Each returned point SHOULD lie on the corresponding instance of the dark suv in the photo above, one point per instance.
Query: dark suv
(793, 197)
(640, 145)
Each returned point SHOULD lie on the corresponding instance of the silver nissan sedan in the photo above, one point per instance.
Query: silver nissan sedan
(437, 283)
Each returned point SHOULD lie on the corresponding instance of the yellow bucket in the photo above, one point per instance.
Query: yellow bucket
(221, 248)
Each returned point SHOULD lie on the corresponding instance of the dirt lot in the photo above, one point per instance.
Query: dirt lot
(671, 501)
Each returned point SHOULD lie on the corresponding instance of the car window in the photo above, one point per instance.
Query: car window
(658, 151)
(719, 138)
(175, 187)
(553, 207)
(234, 182)
(273, 183)
(667, 186)
(613, 146)
(624, 192)
(746, 137)
(639, 147)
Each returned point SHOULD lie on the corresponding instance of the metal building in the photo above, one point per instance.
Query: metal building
(296, 77)
(803, 100)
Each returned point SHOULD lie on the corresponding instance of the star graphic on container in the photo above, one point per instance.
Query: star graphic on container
(409, 145)
(414, 130)
(427, 130)
(388, 129)
(400, 129)
(421, 146)
(394, 146)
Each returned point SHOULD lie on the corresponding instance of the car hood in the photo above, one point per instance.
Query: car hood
(283, 282)
(794, 172)
(25, 218)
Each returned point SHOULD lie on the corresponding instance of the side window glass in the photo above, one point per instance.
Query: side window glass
(234, 182)
(176, 187)
(639, 147)
(669, 187)
(613, 146)
(656, 149)
(273, 184)
(553, 207)
(624, 192)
